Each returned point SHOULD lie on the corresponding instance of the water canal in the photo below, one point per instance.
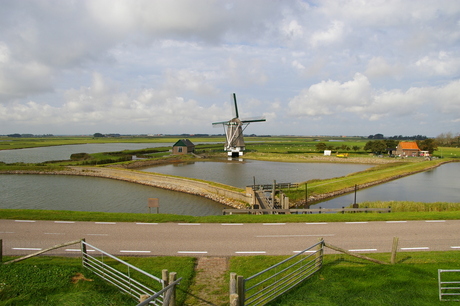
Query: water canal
(98, 194)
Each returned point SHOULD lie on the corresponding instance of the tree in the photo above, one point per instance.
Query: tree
(377, 147)
(98, 135)
(321, 146)
(429, 145)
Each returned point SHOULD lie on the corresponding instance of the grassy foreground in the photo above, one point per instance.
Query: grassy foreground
(344, 280)
(63, 281)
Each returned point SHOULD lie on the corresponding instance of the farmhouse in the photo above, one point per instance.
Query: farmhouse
(183, 146)
(407, 148)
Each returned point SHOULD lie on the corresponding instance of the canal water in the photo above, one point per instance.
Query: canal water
(99, 194)
(441, 184)
(78, 193)
(43, 154)
(244, 173)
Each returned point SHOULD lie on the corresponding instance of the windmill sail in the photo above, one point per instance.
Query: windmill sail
(234, 128)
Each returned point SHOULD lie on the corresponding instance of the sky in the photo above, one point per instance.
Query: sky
(326, 67)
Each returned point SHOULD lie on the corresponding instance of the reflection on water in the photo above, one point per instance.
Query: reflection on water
(441, 184)
(60, 192)
(243, 173)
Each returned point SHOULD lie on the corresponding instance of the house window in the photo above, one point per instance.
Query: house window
(179, 150)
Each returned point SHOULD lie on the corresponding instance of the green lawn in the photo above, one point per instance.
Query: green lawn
(51, 281)
(344, 280)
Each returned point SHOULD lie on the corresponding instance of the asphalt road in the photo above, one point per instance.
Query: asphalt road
(21, 237)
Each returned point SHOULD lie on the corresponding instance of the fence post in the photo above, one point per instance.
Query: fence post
(1, 250)
(233, 290)
(319, 253)
(394, 249)
(164, 277)
(172, 297)
(240, 288)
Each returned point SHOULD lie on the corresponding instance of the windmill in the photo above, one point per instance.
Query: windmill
(234, 128)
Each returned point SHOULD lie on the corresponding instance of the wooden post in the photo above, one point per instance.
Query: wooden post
(354, 203)
(1, 250)
(164, 277)
(84, 253)
(233, 290)
(319, 253)
(306, 196)
(172, 298)
(394, 249)
(240, 288)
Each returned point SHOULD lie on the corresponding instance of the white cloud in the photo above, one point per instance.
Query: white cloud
(333, 34)
(138, 65)
(443, 64)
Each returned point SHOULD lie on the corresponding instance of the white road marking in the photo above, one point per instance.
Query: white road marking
(455, 247)
(133, 251)
(28, 249)
(25, 221)
(54, 233)
(396, 221)
(362, 250)
(192, 252)
(284, 236)
(304, 252)
(232, 224)
(361, 222)
(78, 250)
(435, 221)
(6, 232)
(416, 248)
(189, 224)
(105, 222)
(251, 252)
(274, 223)
(64, 222)
(316, 223)
(142, 223)
(97, 234)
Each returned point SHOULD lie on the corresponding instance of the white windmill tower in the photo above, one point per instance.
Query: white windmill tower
(234, 128)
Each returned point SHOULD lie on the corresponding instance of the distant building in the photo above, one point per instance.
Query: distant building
(407, 148)
(183, 146)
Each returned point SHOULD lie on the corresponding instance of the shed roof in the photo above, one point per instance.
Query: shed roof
(183, 143)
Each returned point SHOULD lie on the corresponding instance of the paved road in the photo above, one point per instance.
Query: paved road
(22, 237)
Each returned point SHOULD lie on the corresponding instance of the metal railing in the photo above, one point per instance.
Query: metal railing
(272, 282)
(104, 266)
(343, 210)
(449, 285)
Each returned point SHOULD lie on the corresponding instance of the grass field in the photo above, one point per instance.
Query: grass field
(345, 280)
(64, 281)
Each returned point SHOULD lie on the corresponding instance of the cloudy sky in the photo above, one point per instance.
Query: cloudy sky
(325, 67)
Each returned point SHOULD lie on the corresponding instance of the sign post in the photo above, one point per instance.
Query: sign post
(153, 202)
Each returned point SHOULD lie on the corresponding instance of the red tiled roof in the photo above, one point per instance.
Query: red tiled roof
(408, 145)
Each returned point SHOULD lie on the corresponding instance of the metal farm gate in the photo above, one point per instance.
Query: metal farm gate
(139, 284)
(270, 283)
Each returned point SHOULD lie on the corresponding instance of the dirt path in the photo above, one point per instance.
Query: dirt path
(208, 287)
